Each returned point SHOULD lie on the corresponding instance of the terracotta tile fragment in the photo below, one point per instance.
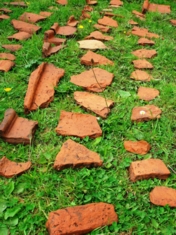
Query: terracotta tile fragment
(140, 75)
(144, 53)
(145, 41)
(142, 64)
(40, 91)
(49, 36)
(17, 130)
(88, 8)
(91, 2)
(138, 147)
(7, 56)
(12, 47)
(48, 49)
(107, 21)
(6, 65)
(91, 44)
(4, 17)
(97, 59)
(5, 10)
(95, 103)
(149, 168)
(152, 7)
(102, 28)
(78, 124)
(146, 93)
(72, 21)
(139, 15)
(9, 169)
(20, 36)
(145, 113)
(116, 2)
(142, 32)
(87, 79)
(25, 27)
(162, 196)
(99, 36)
(62, 2)
(18, 4)
(46, 14)
(31, 17)
(66, 30)
(80, 219)
(173, 22)
(85, 15)
(132, 22)
(75, 155)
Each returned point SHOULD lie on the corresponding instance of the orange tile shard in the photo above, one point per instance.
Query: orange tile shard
(48, 49)
(75, 155)
(6, 65)
(173, 22)
(81, 219)
(145, 41)
(107, 21)
(145, 113)
(91, 58)
(138, 147)
(144, 53)
(78, 124)
(102, 28)
(146, 93)
(142, 64)
(149, 168)
(142, 32)
(7, 56)
(162, 196)
(152, 7)
(140, 75)
(31, 17)
(18, 4)
(62, 2)
(4, 17)
(9, 169)
(63, 30)
(41, 85)
(25, 27)
(17, 130)
(95, 103)
(89, 82)
(12, 47)
(72, 21)
(20, 36)
(99, 36)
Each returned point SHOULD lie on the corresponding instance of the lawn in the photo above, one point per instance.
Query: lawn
(27, 199)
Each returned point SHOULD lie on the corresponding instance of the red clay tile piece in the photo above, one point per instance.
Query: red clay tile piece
(7, 56)
(41, 85)
(78, 124)
(99, 36)
(138, 147)
(4, 17)
(76, 155)
(142, 32)
(139, 15)
(162, 196)
(145, 113)
(102, 28)
(5, 10)
(84, 15)
(62, 2)
(46, 14)
(152, 7)
(87, 79)
(97, 59)
(12, 47)
(142, 64)
(66, 30)
(18, 4)
(9, 169)
(72, 21)
(140, 75)
(116, 2)
(17, 130)
(48, 49)
(20, 36)
(31, 17)
(107, 21)
(91, 44)
(146, 93)
(173, 22)
(49, 37)
(95, 103)
(144, 53)
(25, 27)
(6, 65)
(132, 22)
(91, 2)
(145, 41)
(80, 219)
(88, 8)
(149, 168)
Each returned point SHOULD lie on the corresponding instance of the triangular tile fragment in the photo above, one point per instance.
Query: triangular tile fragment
(173, 22)
(74, 155)
(78, 124)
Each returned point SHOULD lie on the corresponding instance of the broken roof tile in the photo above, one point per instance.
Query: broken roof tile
(147, 93)
(132, 22)
(152, 7)
(62, 2)
(25, 27)
(6, 65)
(4, 17)
(107, 21)
(7, 56)
(102, 28)
(72, 21)
(173, 22)
(139, 15)
(141, 147)
(144, 53)
(142, 32)
(48, 49)
(99, 36)
(78, 124)
(5, 10)
(20, 36)
(91, 2)
(12, 47)
(45, 13)
(145, 41)
(140, 75)
(116, 2)
(17, 130)
(74, 155)
(91, 44)
(87, 79)
(142, 64)
(31, 17)
(40, 91)
(18, 4)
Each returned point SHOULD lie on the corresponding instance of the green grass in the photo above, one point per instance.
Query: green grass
(26, 200)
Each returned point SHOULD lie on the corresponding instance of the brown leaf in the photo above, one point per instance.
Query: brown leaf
(140, 75)
(88, 80)
(108, 22)
(78, 124)
(99, 36)
(6, 65)
(91, 44)
(146, 93)
(9, 169)
(142, 64)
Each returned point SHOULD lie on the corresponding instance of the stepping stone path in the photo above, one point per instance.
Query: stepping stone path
(17, 130)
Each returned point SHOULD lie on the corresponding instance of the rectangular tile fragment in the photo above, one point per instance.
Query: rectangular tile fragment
(80, 219)
(17, 130)
(73, 154)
